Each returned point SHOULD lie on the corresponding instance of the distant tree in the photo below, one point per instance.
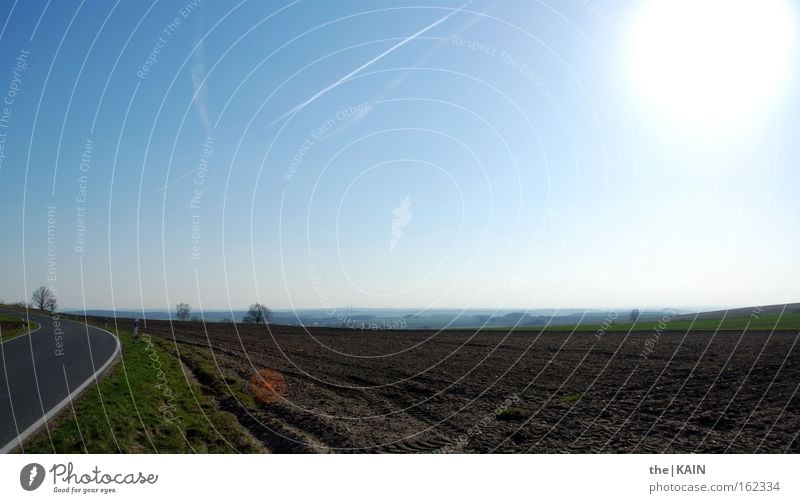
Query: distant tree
(44, 299)
(194, 319)
(183, 311)
(225, 320)
(635, 315)
(258, 313)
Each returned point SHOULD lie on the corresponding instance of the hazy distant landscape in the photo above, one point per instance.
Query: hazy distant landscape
(398, 319)
(782, 316)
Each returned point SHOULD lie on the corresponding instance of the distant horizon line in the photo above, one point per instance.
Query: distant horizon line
(456, 308)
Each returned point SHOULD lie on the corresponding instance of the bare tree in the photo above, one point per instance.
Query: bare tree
(258, 313)
(635, 315)
(183, 311)
(44, 299)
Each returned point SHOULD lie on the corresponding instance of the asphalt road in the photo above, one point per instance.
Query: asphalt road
(41, 371)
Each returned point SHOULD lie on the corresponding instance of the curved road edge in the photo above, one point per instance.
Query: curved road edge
(26, 334)
(94, 378)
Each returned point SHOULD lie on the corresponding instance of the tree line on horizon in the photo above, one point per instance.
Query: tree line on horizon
(44, 299)
(257, 313)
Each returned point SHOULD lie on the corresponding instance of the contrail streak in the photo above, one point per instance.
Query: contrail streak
(338, 82)
(365, 65)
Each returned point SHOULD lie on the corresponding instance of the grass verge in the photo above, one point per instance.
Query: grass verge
(13, 326)
(149, 402)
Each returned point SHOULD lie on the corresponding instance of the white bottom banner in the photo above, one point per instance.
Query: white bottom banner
(381, 478)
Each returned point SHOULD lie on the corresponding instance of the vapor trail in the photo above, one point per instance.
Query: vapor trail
(365, 65)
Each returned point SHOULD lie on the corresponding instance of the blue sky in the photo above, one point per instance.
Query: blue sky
(535, 172)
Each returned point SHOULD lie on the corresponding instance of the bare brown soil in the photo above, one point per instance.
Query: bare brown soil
(458, 391)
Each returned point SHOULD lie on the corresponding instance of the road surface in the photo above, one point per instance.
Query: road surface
(41, 371)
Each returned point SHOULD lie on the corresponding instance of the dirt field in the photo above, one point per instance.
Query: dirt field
(457, 391)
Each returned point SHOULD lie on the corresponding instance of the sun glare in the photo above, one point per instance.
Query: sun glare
(711, 63)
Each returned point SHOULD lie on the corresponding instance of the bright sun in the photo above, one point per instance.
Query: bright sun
(712, 62)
